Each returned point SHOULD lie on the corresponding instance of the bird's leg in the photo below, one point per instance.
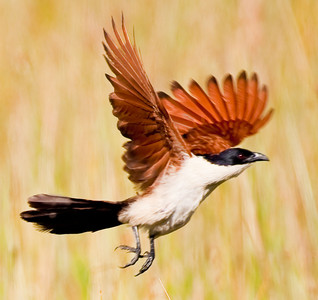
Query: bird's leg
(150, 256)
(136, 250)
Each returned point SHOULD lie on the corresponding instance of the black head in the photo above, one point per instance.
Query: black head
(235, 156)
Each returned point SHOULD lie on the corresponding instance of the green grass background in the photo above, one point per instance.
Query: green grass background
(256, 237)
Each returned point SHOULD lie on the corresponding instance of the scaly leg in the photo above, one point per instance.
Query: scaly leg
(136, 250)
(150, 256)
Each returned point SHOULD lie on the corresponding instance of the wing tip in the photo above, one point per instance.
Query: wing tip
(264, 89)
(194, 84)
(122, 18)
(269, 114)
(175, 85)
(228, 78)
(163, 95)
(113, 24)
(254, 77)
(242, 75)
(105, 33)
(109, 77)
(262, 122)
(212, 80)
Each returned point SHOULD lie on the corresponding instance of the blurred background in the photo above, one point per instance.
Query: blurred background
(256, 237)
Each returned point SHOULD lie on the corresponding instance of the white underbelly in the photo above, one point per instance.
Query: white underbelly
(175, 198)
(164, 212)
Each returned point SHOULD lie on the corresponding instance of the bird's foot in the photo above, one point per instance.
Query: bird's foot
(137, 250)
(150, 257)
(129, 249)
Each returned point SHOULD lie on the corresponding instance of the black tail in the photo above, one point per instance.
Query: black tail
(62, 215)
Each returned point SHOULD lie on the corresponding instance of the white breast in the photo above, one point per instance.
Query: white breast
(177, 195)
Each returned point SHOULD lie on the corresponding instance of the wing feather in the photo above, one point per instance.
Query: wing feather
(229, 97)
(261, 122)
(216, 98)
(260, 105)
(241, 95)
(142, 118)
(252, 96)
(154, 122)
(203, 102)
(228, 117)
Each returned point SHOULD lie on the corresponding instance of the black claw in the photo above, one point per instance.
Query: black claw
(146, 254)
(136, 250)
(150, 257)
(130, 250)
(146, 265)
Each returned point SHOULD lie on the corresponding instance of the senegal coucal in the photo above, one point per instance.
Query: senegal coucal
(180, 149)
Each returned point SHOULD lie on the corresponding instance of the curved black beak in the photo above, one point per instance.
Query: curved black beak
(257, 157)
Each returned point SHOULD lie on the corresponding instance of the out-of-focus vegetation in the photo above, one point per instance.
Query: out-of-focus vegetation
(256, 237)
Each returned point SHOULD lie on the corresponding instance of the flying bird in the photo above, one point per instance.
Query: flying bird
(179, 150)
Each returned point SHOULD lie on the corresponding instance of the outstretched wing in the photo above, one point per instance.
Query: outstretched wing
(213, 122)
(154, 140)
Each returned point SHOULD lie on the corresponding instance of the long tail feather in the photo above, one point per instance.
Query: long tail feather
(64, 215)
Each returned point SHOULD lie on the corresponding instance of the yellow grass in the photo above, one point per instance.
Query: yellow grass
(255, 238)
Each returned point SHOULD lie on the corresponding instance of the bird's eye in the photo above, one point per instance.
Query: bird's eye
(241, 156)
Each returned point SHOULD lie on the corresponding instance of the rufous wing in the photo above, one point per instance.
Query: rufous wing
(214, 121)
(142, 118)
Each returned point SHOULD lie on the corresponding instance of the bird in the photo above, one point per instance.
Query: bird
(179, 149)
